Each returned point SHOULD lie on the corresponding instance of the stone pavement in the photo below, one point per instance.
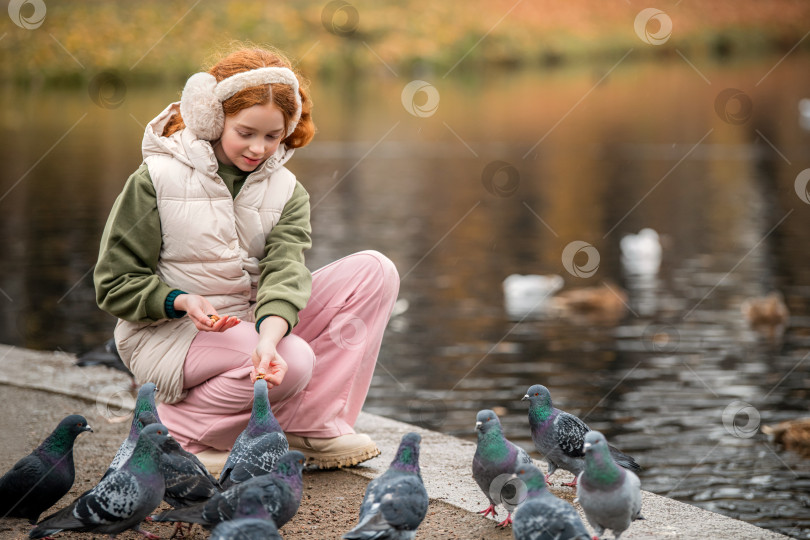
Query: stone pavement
(445, 460)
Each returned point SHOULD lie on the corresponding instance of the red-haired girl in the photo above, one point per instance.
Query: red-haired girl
(213, 224)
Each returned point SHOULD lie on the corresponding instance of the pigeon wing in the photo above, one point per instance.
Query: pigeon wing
(111, 501)
(258, 458)
(187, 480)
(239, 448)
(405, 504)
(570, 432)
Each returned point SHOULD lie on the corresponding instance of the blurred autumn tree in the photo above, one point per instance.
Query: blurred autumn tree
(155, 39)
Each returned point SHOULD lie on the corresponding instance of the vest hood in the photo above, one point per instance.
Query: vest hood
(197, 153)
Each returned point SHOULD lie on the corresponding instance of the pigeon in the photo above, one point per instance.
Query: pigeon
(560, 436)
(104, 355)
(609, 495)
(282, 489)
(395, 502)
(494, 462)
(121, 500)
(251, 521)
(541, 515)
(187, 480)
(259, 446)
(41, 478)
(144, 402)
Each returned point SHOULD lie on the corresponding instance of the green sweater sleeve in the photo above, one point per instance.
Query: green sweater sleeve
(285, 283)
(124, 277)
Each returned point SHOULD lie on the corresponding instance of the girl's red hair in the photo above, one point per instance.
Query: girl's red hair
(282, 95)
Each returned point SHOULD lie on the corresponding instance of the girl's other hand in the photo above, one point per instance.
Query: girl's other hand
(200, 311)
(268, 364)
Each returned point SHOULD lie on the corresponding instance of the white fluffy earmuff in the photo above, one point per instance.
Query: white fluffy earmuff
(201, 101)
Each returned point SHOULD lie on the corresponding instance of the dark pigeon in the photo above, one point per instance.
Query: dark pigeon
(541, 515)
(187, 480)
(282, 489)
(259, 446)
(121, 500)
(251, 521)
(145, 402)
(396, 502)
(560, 437)
(609, 495)
(44, 476)
(104, 355)
(495, 460)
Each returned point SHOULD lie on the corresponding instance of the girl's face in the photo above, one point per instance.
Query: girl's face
(250, 136)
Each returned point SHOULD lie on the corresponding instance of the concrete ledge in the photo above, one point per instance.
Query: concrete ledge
(445, 461)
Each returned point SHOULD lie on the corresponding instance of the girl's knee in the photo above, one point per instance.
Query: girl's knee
(378, 267)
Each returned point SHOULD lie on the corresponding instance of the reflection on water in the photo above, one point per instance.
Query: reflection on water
(677, 378)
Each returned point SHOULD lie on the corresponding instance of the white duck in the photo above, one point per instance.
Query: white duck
(641, 253)
(529, 295)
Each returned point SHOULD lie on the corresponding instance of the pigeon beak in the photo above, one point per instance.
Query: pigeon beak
(88, 428)
(524, 398)
(478, 426)
(587, 446)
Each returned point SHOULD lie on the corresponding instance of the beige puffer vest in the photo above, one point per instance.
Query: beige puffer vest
(211, 245)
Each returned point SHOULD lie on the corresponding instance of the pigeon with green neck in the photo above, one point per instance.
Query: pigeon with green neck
(145, 402)
(543, 516)
(282, 489)
(609, 495)
(495, 460)
(396, 502)
(44, 476)
(560, 436)
(122, 499)
(259, 446)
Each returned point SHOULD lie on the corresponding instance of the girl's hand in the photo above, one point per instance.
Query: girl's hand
(200, 310)
(267, 364)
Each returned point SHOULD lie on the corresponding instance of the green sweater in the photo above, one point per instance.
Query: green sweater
(125, 279)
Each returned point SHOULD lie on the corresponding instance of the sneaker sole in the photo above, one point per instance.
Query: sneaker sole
(320, 461)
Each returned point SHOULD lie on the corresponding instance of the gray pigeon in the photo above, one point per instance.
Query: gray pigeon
(144, 402)
(121, 500)
(560, 436)
(495, 461)
(41, 478)
(609, 495)
(395, 502)
(541, 515)
(282, 490)
(251, 521)
(259, 446)
(187, 480)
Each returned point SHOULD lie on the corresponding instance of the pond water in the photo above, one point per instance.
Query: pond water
(509, 169)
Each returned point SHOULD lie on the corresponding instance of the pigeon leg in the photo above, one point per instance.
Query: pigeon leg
(489, 510)
(149, 535)
(505, 523)
(178, 530)
(571, 484)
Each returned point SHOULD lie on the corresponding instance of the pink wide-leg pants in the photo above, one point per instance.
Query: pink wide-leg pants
(331, 355)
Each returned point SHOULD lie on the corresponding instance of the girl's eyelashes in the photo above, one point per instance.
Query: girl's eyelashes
(247, 135)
